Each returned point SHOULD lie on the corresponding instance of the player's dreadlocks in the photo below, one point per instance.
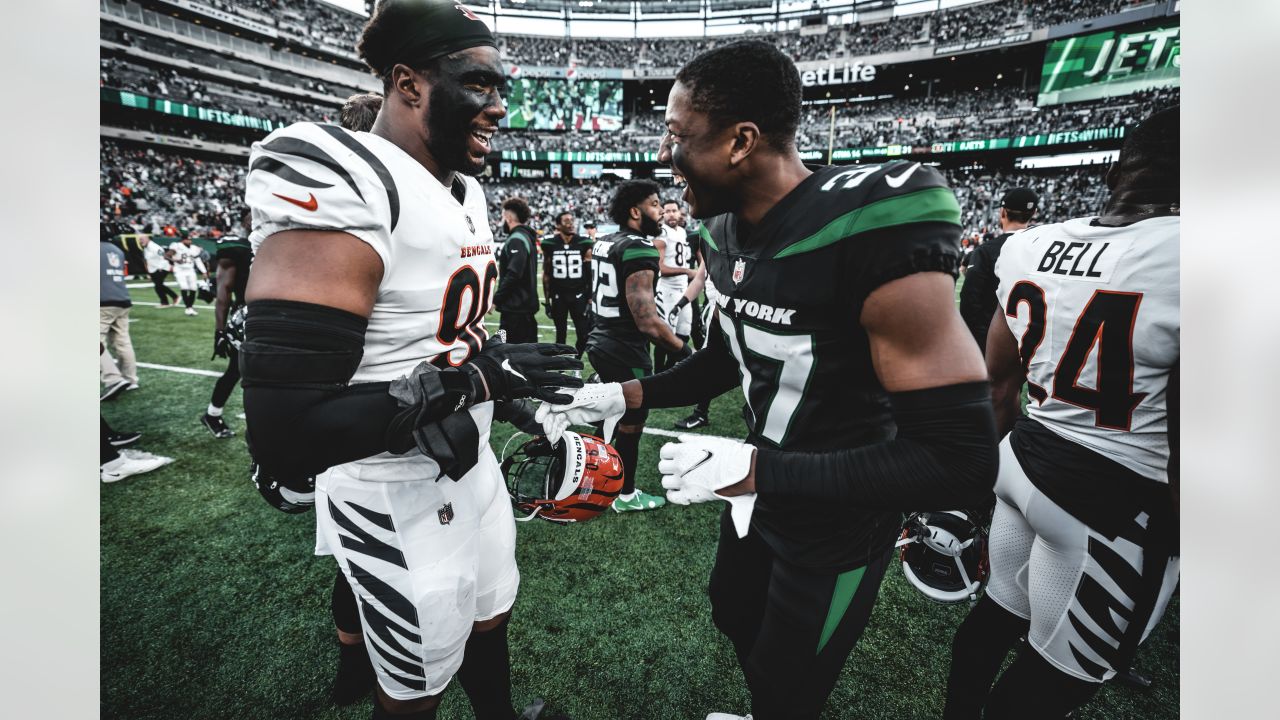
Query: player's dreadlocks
(748, 80)
(629, 195)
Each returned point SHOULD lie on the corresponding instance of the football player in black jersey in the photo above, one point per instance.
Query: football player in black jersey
(978, 294)
(865, 395)
(625, 266)
(566, 279)
(232, 262)
(517, 295)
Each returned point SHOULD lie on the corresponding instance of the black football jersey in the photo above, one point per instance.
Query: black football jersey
(614, 332)
(237, 250)
(568, 266)
(791, 294)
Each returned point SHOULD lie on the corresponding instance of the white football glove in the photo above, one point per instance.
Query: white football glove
(697, 466)
(596, 402)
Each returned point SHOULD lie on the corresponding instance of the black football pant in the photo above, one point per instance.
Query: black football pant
(225, 384)
(626, 443)
(792, 628)
(106, 451)
(520, 327)
(564, 306)
(167, 296)
(1030, 687)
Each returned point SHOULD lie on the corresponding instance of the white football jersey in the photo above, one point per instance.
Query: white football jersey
(1095, 311)
(437, 252)
(676, 253)
(156, 261)
(186, 258)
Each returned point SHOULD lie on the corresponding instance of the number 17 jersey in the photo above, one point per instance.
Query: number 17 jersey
(1095, 311)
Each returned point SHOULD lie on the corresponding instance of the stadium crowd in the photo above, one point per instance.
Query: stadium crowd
(321, 25)
(168, 84)
(162, 192)
(960, 115)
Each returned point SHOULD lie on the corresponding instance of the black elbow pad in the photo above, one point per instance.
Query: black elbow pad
(300, 345)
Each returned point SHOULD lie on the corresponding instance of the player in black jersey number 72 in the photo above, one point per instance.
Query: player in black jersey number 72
(865, 395)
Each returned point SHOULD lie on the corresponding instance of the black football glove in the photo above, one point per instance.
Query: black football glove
(221, 344)
(673, 317)
(525, 370)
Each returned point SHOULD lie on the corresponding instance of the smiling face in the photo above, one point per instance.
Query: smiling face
(699, 152)
(464, 105)
(566, 224)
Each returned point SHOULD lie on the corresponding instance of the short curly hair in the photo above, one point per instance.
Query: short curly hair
(747, 80)
(359, 111)
(519, 207)
(629, 195)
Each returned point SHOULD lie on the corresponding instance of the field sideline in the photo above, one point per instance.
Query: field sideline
(213, 606)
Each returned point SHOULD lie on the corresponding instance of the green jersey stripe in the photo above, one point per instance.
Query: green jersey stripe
(936, 204)
(706, 237)
(639, 253)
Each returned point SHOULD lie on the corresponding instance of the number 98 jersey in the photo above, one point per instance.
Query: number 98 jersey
(435, 243)
(1095, 311)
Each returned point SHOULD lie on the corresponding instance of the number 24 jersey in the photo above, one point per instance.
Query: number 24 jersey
(1095, 311)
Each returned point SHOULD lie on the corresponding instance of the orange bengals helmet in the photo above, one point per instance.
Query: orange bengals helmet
(572, 481)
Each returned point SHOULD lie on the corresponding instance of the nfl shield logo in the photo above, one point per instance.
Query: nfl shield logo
(739, 269)
(445, 513)
(470, 225)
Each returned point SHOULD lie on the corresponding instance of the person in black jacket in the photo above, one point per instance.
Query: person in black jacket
(978, 294)
(517, 295)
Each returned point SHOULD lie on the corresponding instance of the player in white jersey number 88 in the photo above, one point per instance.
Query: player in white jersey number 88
(366, 362)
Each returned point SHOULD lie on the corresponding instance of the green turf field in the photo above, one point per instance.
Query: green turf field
(213, 606)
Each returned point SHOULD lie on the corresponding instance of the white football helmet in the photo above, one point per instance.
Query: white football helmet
(944, 555)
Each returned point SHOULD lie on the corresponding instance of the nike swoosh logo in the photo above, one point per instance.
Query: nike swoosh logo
(308, 204)
(698, 464)
(647, 242)
(506, 365)
(896, 182)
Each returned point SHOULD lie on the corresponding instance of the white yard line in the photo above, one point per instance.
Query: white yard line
(214, 373)
(490, 323)
(185, 371)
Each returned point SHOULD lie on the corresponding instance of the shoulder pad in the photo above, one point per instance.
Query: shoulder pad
(318, 176)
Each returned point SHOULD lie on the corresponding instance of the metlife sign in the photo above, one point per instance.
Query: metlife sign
(846, 74)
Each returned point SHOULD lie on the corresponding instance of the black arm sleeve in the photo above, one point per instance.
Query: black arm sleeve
(303, 417)
(708, 373)
(943, 458)
(977, 297)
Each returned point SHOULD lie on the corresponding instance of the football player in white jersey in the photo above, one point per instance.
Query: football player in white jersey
(366, 362)
(675, 270)
(185, 257)
(1083, 549)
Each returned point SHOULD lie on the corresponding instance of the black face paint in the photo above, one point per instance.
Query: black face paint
(453, 109)
(452, 112)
